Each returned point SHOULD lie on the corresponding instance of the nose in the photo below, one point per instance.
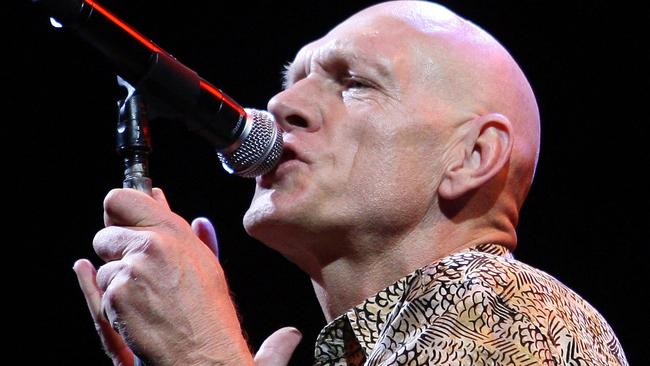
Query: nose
(296, 108)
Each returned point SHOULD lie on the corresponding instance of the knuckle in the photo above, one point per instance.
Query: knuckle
(114, 296)
(113, 242)
(151, 243)
(146, 240)
(108, 242)
(100, 241)
(136, 241)
(103, 277)
(111, 275)
(112, 197)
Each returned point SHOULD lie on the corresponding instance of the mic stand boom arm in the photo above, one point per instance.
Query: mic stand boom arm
(248, 142)
(174, 90)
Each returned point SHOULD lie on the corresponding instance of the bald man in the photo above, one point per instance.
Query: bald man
(411, 142)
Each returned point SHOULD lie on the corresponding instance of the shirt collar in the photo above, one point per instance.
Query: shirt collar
(353, 335)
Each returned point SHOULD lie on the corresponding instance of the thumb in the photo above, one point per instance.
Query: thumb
(159, 196)
(277, 349)
(205, 231)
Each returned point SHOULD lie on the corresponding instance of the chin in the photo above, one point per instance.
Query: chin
(277, 216)
(260, 209)
(268, 226)
(269, 211)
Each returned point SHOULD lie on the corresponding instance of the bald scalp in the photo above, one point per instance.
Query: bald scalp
(475, 75)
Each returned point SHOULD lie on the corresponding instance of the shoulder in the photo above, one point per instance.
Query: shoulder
(495, 302)
(517, 285)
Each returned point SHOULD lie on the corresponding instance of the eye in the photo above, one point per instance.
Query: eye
(355, 82)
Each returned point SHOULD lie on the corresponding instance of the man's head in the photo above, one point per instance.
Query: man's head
(405, 122)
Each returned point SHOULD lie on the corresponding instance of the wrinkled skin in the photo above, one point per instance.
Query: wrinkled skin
(410, 134)
(163, 290)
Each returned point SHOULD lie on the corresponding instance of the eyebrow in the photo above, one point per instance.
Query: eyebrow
(379, 69)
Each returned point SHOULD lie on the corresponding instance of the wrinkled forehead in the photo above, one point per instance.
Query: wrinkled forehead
(378, 44)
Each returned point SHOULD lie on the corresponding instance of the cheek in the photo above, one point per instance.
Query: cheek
(396, 167)
(396, 152)
(387, 197)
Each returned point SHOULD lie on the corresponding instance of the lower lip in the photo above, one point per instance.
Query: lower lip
(279, 171)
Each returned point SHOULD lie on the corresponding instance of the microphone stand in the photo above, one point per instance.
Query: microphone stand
(133, 139)
(134, 145)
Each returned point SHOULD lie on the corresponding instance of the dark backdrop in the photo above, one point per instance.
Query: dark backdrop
(583, 222)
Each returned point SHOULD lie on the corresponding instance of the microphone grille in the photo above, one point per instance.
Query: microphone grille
(260, 148)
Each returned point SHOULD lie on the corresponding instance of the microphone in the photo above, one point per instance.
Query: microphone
(247, 141)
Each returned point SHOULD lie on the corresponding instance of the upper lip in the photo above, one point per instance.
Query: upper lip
(289, 152)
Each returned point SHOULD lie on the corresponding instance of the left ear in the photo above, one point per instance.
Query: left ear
(485, 150)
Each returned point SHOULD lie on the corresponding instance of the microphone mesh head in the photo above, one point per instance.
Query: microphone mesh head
(260, 148)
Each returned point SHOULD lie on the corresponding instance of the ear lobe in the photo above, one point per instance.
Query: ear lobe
(487, 148)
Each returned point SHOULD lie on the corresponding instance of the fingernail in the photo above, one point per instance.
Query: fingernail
(75, 264)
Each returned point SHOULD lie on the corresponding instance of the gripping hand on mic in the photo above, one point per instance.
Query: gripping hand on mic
(162, 292)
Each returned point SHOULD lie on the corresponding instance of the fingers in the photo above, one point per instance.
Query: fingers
(277, 349)
(86, 276)
(114, 242)
(113, 343)
(205, 231)
(108, 272)
(130, 207)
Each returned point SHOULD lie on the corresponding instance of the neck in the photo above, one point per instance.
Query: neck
(347, 281)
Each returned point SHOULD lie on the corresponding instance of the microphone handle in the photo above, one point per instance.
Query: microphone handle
(140, 183)
(134, 145)
(134, 141)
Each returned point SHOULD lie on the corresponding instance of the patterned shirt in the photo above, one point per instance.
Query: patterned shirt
(476, 307)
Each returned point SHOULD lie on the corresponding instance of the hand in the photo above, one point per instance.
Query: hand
(277, 349)
(162, 292)
(140, 298)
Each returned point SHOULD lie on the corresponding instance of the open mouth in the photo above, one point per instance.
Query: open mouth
(288, 154)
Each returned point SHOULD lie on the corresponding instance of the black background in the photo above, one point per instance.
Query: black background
(584, 220)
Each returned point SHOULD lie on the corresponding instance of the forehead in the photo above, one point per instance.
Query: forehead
(378, 43)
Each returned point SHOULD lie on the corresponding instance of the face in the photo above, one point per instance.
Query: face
(364, 138)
